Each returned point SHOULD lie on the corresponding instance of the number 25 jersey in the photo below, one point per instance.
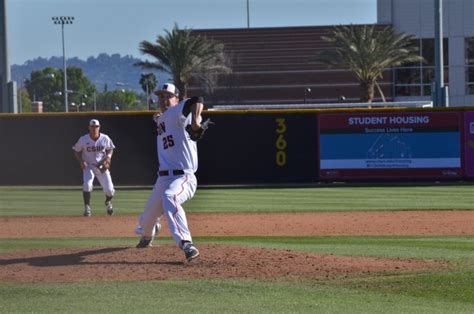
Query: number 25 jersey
(174, 147)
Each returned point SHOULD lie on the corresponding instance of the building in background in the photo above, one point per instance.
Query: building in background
(416, 17)
(271, 65)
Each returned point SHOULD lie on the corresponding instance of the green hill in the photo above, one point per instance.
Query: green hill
(113, 70)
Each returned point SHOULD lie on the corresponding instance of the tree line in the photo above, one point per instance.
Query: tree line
(47, 86)
(190, 58)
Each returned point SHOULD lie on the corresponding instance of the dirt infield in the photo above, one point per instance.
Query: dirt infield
(275, 224)
(216, 261)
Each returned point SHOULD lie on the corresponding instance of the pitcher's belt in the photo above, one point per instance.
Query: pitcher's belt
(175, 172)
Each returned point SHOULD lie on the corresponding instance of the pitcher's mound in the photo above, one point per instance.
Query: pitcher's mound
(168, 262)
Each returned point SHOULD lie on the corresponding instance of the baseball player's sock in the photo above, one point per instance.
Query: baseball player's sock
(156, 230)
(87, 197)
(139, 230)
(108, 199)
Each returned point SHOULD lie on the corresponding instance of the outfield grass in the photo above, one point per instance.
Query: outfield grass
(220, 296)
(452, 248)
(443, 291)
(448, 290)
(16, 201)
(449, 248)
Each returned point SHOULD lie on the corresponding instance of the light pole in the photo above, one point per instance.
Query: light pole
(440, 89)
(51, 94)
(47, 76)
(81, 102)
(73, 104)
(248, 14)
(64, 20)
(23, 80)
(20, 110)
(54, 94)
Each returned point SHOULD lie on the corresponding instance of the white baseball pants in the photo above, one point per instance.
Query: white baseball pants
(166, 198)
(105, 180)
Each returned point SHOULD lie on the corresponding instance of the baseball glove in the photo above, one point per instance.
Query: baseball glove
(104, 165)
(198, 134)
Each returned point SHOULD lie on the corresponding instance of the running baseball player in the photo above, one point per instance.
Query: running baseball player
(179, 128)
(94, 153)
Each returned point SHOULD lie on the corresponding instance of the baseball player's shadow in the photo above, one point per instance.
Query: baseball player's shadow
(75, 259)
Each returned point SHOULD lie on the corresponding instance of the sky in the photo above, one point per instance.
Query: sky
(118, 26)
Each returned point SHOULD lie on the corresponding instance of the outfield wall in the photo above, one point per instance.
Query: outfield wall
(253, 147)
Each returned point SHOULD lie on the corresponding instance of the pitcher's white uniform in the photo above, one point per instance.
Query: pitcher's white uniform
(176, 183)
(92, 153)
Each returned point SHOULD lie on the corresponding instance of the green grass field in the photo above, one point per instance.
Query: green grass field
(448, 290)
(30, 201)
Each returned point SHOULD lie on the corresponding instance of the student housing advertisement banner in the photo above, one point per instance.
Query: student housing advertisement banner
(469, 143)
(390, 145)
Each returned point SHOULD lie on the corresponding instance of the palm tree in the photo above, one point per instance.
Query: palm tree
(148, 83)
(367, 52)
(186, 57)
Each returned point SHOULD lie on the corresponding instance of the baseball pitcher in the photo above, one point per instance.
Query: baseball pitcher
(179, 127)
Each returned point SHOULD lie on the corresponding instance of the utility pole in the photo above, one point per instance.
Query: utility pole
(440, 91)
(64, 20)
(248, 14)
(7, 87)
(20, 109)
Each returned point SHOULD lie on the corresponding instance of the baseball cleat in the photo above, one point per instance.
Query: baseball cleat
(110, 209)
(144, 243)
(190, 251)
(139, 230)
(87, 211)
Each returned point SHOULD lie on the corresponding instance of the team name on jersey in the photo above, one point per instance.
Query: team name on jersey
(161, 128)
(93, 149)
